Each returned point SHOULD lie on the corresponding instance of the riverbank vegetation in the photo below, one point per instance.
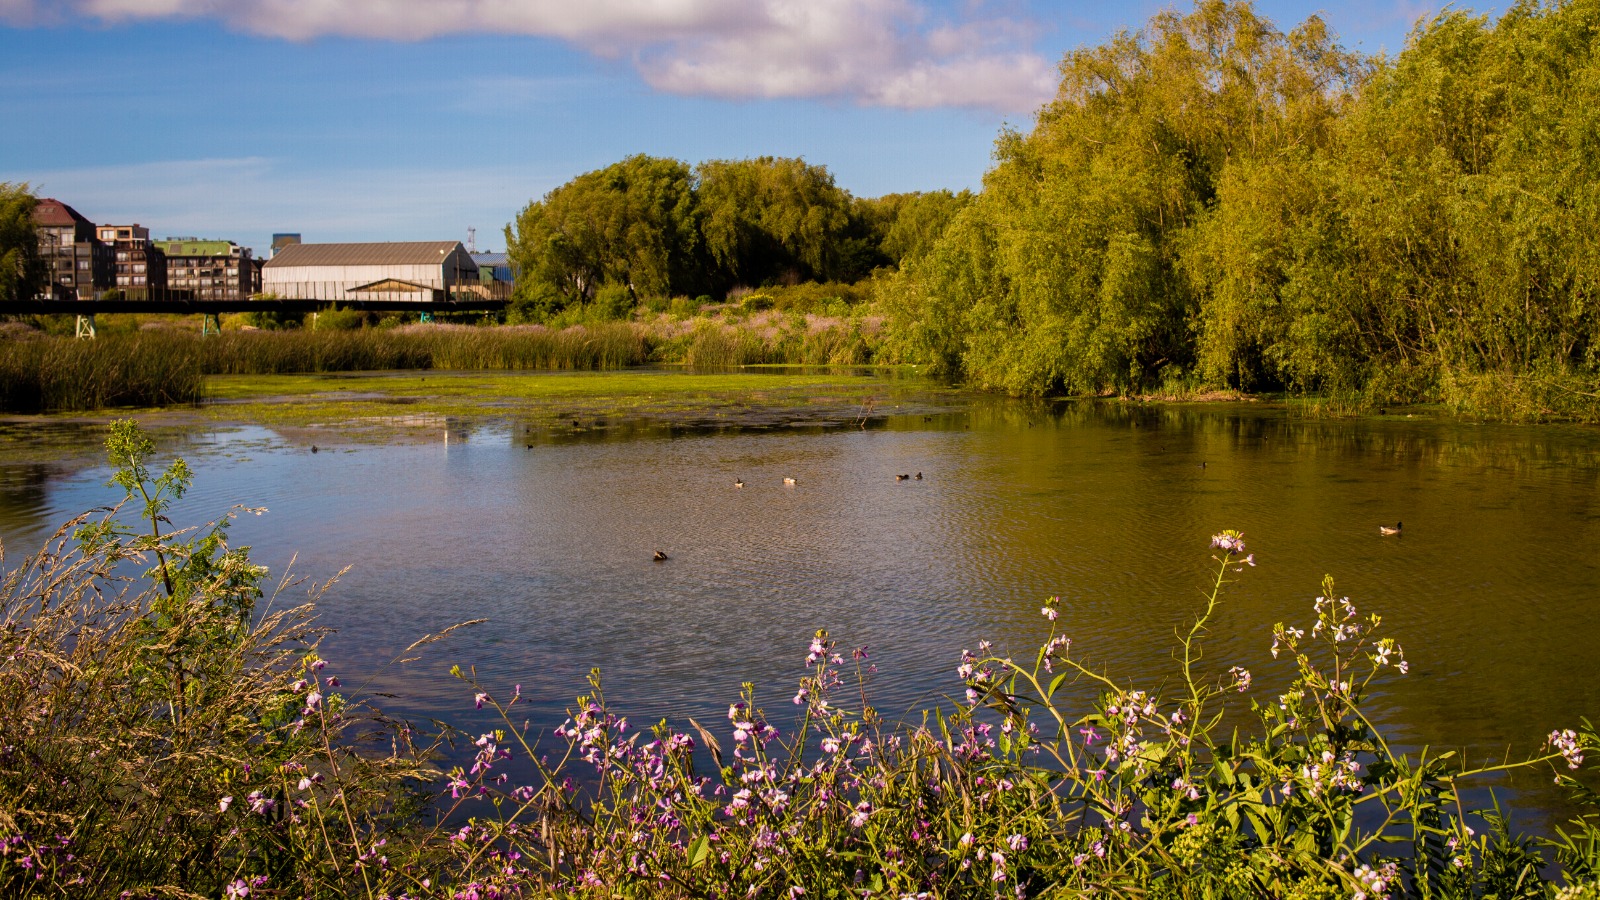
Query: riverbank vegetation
(169, 728)
(1212, 200)
(1210, 203)
(168, 366)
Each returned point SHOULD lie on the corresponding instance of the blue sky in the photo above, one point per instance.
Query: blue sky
(349, 120)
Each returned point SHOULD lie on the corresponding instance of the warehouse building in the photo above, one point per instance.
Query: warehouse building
(417, 271)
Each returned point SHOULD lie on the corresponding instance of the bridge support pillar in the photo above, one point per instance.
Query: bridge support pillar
(85, 327)
(210, 323)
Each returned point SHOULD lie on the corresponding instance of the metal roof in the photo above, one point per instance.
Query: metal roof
(393, 253)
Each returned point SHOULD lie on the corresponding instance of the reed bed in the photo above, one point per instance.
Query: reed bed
(43, 374)
(426, 347)
(161, 367)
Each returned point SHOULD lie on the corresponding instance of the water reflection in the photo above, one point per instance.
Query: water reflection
(549, 535)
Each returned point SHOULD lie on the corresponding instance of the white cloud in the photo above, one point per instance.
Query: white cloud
(878, 52)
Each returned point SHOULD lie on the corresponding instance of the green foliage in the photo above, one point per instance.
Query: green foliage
(911, 224)
(772, 220)
(21, 271)
(633, 223)
(1265, 211)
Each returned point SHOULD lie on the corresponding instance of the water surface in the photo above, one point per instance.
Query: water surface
(1491, 588)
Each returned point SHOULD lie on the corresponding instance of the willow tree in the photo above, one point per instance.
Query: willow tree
(1067, 272)
(1473, 182)
(633, 223)
(772, 220)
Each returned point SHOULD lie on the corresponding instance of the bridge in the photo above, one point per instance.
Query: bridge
(86, 310)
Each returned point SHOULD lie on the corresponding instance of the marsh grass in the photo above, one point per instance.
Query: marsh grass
(162, 367)
(150, 368)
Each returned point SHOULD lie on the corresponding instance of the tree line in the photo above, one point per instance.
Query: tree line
(1213, 202)
(652, 227)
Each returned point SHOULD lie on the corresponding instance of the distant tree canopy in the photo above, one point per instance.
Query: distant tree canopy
(1213, 201)
(657, 228)
(20, 271)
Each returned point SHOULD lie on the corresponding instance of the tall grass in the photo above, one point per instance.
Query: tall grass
(156, 368)
(165, 366)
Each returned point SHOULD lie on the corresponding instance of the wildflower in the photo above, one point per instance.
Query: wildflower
(478, 699)
(333, 681)
(1566, 742)
(1049, 612)
(238, 889)
(1229, 542)
(1241, 678)
(224, 803)
(1017, 843)
(858, 819)
(260, 803)
(1403, 666)
(967, 840)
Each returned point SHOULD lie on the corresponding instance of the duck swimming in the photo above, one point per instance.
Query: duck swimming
(1384, 529)
(660, 557)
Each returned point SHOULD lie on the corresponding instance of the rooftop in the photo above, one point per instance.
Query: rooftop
(52, 212)
(196, 247)
(393, 253)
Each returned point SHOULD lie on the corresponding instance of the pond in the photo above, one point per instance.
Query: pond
(548, 532)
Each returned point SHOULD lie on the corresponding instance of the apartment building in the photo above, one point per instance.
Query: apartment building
(141, 268)
(78, 265)
(208, 269)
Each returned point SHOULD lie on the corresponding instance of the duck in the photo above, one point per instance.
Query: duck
(790, 481)
(1384, 529)
(738, 482)
(660, 557)
(919, 476)
(313, 448)
(902, 478)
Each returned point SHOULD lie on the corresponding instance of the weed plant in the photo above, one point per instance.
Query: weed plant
(168, 729)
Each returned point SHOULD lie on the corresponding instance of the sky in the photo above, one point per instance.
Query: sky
(379, 120)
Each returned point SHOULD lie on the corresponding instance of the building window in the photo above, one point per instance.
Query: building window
(83, 265)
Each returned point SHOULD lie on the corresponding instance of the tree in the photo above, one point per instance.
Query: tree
(772, 220)
(21, 270)
(1068, 273)
(633, 223)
